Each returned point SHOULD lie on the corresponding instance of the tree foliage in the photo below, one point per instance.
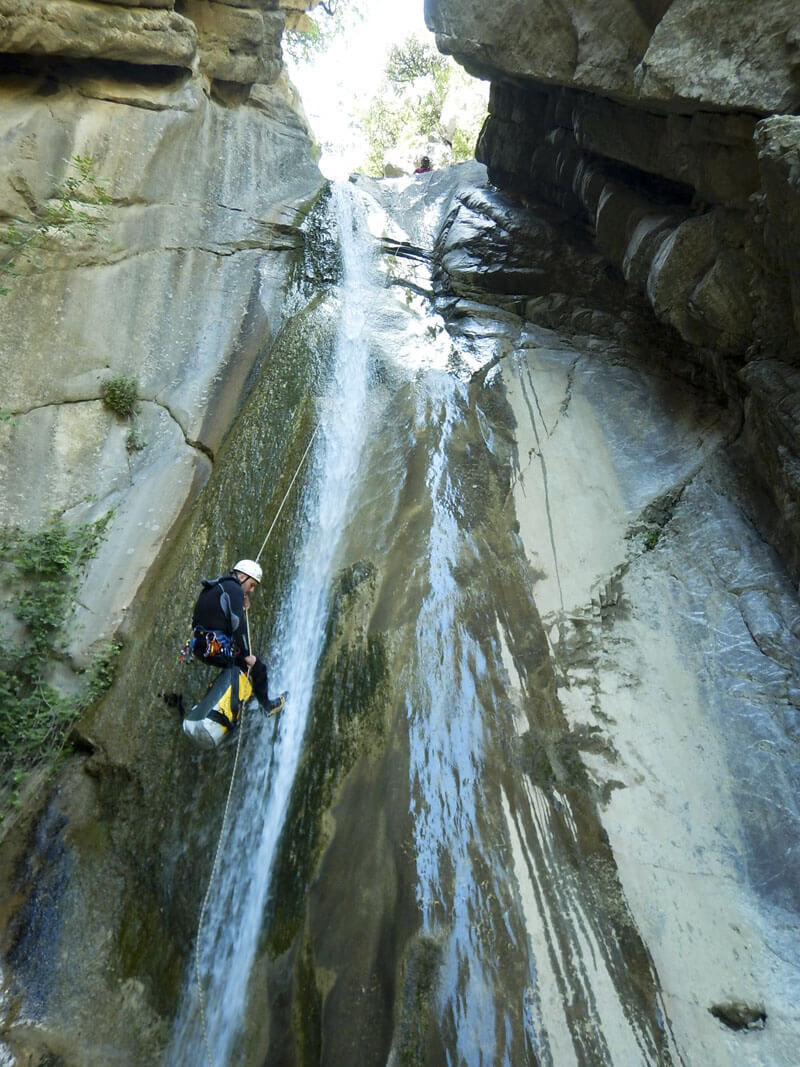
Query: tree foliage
(325, 22)
(411, 60)
(426, 99)
(40, 572)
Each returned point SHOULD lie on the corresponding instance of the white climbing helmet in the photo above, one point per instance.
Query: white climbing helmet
(250, 568)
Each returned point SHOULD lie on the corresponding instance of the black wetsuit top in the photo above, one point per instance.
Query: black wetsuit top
(209, 613)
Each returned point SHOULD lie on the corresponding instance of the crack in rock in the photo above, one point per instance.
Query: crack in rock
(196, 444)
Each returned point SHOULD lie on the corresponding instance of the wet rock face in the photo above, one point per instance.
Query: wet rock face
(658, 127)
(671, 630)
(546, 807)
(581, 798)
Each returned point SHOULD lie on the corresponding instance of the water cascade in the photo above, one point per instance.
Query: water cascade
(530, 797)
(535, 796)
(234, 919)
(452, 893)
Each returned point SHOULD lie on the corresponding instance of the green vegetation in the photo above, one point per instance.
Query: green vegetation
(40, 573)
(134, 442)
(315, 30)
(426, 99)
(121, 395)
(64, 215)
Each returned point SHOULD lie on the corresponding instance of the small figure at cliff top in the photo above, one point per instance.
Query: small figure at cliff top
(220, 639)
(424, 166)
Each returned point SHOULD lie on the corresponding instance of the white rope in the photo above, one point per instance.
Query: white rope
(198, 978)
(286, 494)
(210, 883)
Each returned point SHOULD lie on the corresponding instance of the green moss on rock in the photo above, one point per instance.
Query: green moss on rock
(417, 1022)
(347, 718)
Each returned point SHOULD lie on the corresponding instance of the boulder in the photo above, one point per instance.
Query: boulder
(82, 30)
(591, 43)
(237, 44)
(732, 56)
(682, 56)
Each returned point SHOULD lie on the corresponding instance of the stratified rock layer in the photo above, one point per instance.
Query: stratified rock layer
(232, 42)
(669, 55)
(659, 127)
(80, 29)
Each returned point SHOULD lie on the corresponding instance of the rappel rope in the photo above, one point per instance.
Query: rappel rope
(286, 494)
(198, 977)
(210, 882)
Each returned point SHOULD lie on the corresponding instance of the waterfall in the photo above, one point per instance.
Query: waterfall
(509, 954)
(241, 888)
(446, 743)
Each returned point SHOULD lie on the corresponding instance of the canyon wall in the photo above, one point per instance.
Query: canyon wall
(195, 132)
(545, 803)
(187, 119)
(671, 131)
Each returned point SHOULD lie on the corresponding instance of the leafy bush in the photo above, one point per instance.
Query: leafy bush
(40, 573)
(303, 45)
(121, 395)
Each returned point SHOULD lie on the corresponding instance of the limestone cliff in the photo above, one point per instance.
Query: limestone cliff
(533, 798)
(192, 126)
(671, 131)
(189, 118)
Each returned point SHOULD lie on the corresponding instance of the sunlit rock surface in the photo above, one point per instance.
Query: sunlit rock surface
(662, 54)
(146, 34)
(182, 289)
(233, 42)
(669, 131)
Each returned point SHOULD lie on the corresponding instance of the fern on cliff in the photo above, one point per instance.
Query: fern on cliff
(65, 215)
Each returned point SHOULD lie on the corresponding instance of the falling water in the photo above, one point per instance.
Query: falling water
(236, 907)
(527, 966)
(446, 742)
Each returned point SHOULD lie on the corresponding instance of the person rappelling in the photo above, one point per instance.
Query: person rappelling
(220, 638)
